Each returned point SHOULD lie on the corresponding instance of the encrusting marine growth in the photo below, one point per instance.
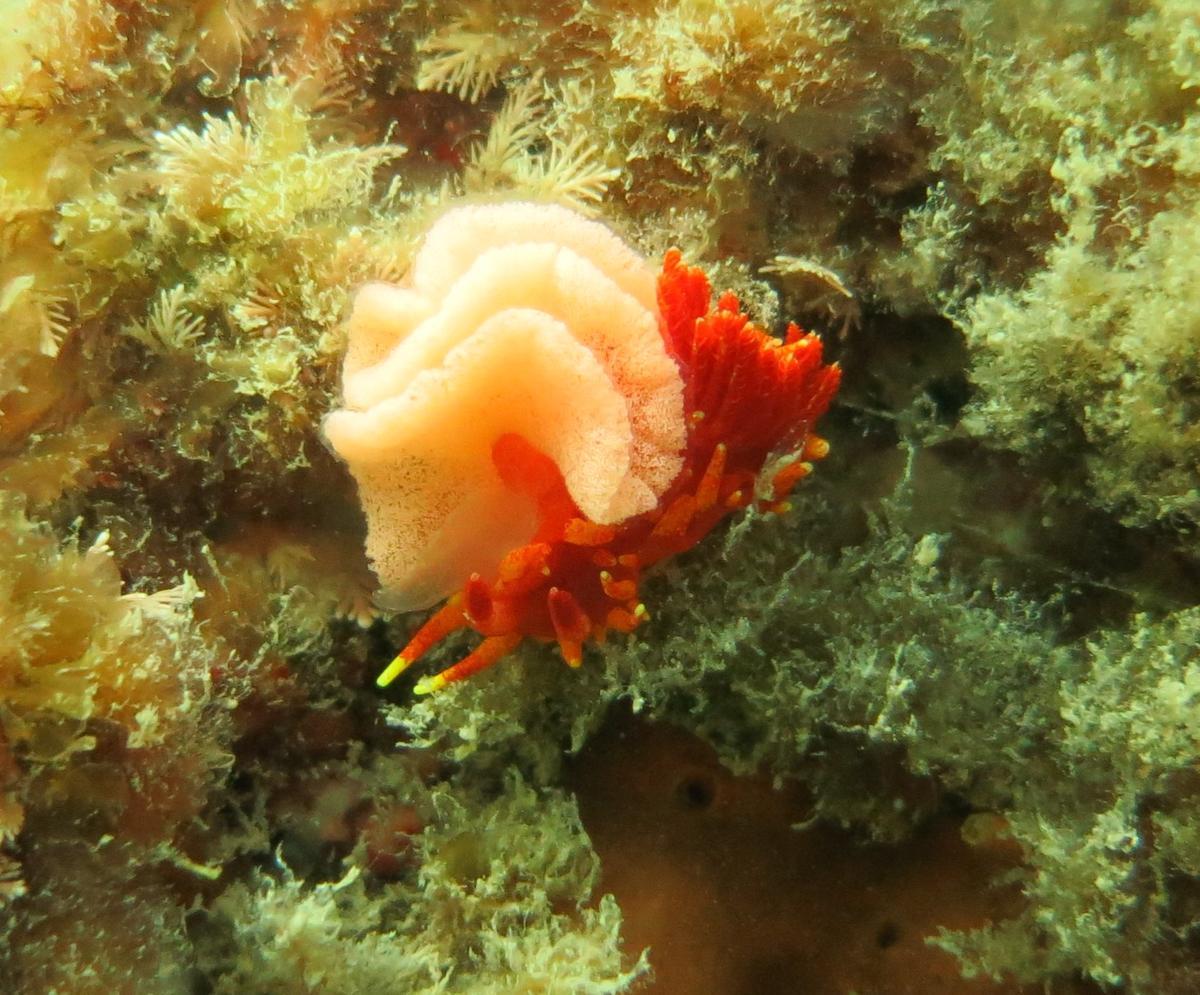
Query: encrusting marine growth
(537, 414)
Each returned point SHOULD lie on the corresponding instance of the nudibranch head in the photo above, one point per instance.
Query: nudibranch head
(535, 418)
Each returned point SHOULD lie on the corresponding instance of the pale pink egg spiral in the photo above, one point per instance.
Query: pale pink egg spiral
(515, 318)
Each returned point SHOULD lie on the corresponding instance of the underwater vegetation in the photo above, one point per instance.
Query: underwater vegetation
(969, 645)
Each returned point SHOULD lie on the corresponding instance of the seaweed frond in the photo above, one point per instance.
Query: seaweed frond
(168, 326)
(464, 58)
(514, 155)
(517, 126)
(573, 172)
(215, 156)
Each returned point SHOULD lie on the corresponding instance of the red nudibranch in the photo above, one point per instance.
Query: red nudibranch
(749, 404)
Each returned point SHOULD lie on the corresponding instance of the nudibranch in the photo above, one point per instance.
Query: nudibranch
(535, 418)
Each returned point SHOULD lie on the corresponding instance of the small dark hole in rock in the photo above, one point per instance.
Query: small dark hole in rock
(696, 792)
(888, 934)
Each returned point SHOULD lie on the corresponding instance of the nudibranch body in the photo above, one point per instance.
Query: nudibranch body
(536, 419)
